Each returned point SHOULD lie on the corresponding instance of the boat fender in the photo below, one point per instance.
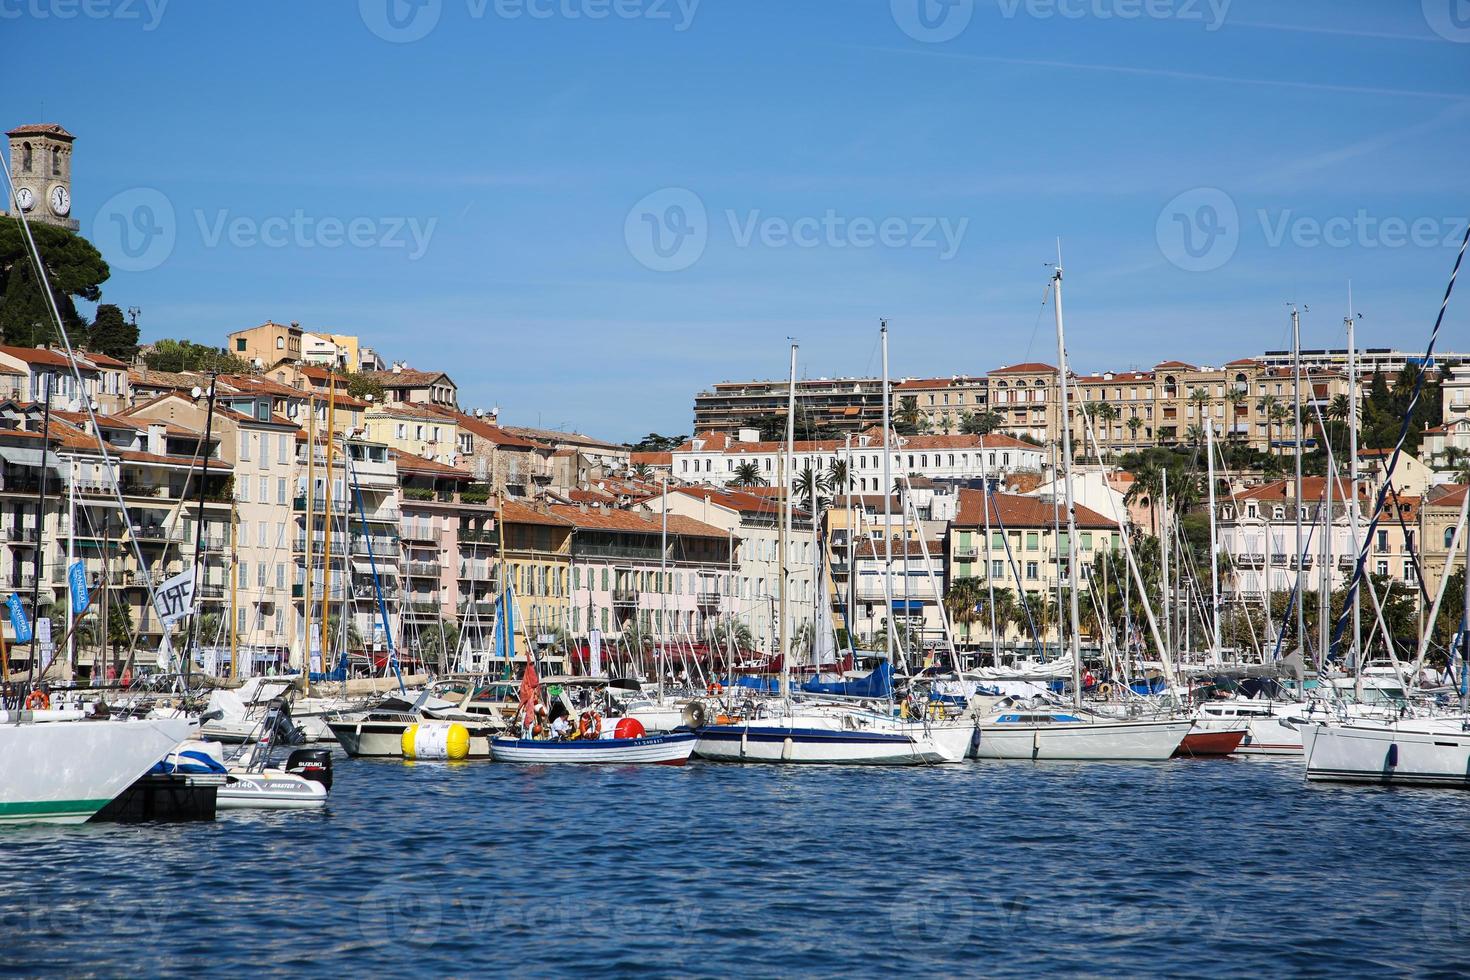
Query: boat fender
(1393, 756)
(788, 748)
(628, 728)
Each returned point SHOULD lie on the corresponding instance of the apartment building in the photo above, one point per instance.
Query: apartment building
(28, 373)
(267, 344)
(535, 560)
(753, 522)
(1026, 549)
(1257, 529)
(943, 403)
(403, 385)
(839, 404)
(713, 457)
(262, 455)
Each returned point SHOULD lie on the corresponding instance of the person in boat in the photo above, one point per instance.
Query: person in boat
(560, 728)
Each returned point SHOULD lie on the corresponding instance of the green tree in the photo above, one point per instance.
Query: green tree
(75, 268)
(809, 486)
(980, 423)
(748, 474)
(655, 443)
(361, 385)
(963, 601)
(906, 416)
(185, 355)
(112, 334)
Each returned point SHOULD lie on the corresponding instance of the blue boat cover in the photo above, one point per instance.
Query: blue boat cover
(877, 684)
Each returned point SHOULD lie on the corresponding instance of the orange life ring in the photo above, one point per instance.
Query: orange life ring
(38, 699)
(591, 725)
(1104, 689)
(714, 688)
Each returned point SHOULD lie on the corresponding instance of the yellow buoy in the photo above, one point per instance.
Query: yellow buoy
(436, 740)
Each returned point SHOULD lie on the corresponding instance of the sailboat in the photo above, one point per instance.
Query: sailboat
(787, 731)
(1016, 732)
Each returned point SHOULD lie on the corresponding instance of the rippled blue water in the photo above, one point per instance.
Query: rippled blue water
(1218, 867)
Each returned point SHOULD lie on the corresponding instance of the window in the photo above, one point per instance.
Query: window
(240, 346)
(265, 489)
(242, 490)
(55, 161)
(25, 157)
(1411, 574)
(261, 530)
(244, 445)
(1033, 570)
(260, 575)
(280, 343)
(1382, 540)
(280, 490)
(1449, 537)
(1383, 568)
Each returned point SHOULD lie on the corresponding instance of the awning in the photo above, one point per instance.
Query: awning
(18, 456)
(366, 567)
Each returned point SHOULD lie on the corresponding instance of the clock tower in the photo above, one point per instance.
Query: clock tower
(40, 167)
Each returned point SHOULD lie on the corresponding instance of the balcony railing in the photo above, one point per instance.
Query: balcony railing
(625, 597)
(1251, 560)
(418, 532)
(477, 535)
(966, 554)
(422, 568)
(708, 598)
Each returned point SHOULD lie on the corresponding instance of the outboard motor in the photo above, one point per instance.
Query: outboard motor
(313, 764)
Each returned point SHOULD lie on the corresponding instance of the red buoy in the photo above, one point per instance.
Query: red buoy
(628, 728)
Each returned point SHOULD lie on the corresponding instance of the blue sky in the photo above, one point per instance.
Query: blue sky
(805, 167)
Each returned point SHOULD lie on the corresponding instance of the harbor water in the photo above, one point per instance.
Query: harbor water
(1227, 867)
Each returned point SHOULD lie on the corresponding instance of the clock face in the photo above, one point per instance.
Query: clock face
(60, 200)
(25, 198)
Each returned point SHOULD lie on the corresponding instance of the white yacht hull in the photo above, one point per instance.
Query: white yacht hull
(65, 771)
(1391, 753)
(1081, 741)
(669, 750)
(773, 742)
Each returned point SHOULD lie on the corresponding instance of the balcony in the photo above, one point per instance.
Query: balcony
(966, 554)
(625, 597)
(422, 569)
(1251, 560)
(22, 535)
(708, 598)
(476, 535)
(419, 532)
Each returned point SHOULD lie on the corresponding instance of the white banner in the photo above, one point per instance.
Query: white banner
(174, 599)
(594, 653)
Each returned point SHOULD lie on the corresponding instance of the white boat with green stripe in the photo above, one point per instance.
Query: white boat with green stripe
(65, 771)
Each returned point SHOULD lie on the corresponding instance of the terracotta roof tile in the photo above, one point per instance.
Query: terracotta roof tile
(1021, 512)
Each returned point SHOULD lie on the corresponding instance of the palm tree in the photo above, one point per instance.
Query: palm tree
(1236, 397)
(748, 474)
(1107, 414)
(643, 471)
(439, 641)
(1134, 423)
(1148, 483)
(839, 479)
(809, 486)
(1267, 405)
(1194, 435)
(1200, 399)
(963, 600)
(907, 417)
(1005, 611)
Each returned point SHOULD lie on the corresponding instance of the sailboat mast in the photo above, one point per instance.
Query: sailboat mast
(663, 584)
(234, 588)
(1072, 610)
(1355, 653)
(783, 538)
(887, 499)
(1214, 559)
(310, 545)
(1164, 583)
(1296, 385)
(71, 546)
(325, 624)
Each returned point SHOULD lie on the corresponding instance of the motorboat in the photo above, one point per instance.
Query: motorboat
(664, 748)
(832, 734)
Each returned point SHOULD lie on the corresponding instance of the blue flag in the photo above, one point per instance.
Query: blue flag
(80, 599)
(18, 619)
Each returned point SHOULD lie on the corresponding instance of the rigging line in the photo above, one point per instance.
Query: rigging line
(1040, 312)
(71, 359)
(1398, 448)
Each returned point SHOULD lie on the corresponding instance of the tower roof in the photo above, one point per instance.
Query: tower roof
(53, 130)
